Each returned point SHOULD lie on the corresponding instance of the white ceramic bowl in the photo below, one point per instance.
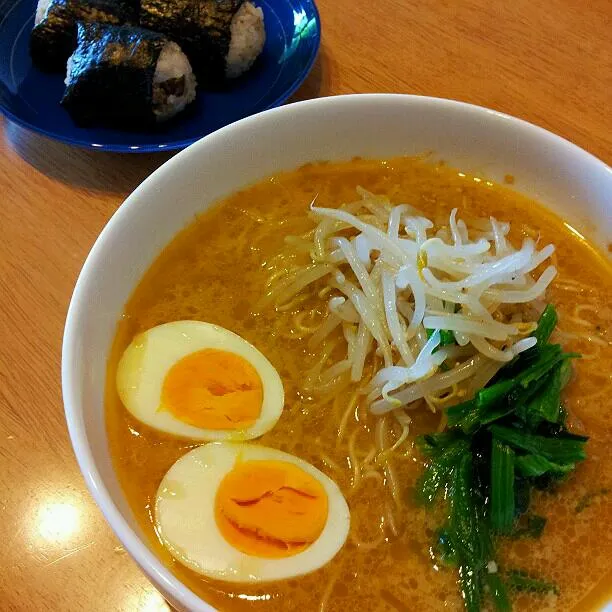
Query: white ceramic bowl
(562, 176)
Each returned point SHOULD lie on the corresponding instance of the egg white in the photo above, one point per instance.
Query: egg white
(147, 360)
(185, 517)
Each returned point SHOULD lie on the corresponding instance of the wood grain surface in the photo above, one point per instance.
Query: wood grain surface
(547, 62)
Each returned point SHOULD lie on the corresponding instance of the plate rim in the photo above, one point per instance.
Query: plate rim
(175, 145)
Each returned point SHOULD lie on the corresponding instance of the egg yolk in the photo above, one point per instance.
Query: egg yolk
(270, 509)
(213, 389)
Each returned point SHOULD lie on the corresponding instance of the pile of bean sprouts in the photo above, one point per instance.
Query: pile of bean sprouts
(414, 310)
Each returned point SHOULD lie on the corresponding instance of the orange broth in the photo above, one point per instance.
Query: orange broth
(214, 271)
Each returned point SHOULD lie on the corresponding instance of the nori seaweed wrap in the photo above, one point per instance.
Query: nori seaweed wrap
(53, 37)
(127, 77)
(203, 28)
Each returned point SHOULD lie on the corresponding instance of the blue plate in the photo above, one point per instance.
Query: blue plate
(31, 98)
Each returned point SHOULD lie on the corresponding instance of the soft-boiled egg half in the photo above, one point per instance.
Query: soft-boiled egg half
(247, 513)
(200, 381)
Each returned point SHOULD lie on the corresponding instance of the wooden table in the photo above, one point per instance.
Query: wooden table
(547, 62)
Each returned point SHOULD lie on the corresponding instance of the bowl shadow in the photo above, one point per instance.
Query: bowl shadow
(94, 170)
(318, 83)
(121, 173)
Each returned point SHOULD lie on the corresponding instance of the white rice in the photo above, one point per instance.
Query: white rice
(173, 64)
(41, 10)
(248, 36)
(68, 69)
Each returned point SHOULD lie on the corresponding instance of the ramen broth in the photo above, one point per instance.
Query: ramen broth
(217, 269)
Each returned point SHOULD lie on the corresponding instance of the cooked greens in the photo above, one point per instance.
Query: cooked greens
(529, 526)
(502, 486)
(520, 580)
(587, 500)
(446, 336)
(509, 438)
